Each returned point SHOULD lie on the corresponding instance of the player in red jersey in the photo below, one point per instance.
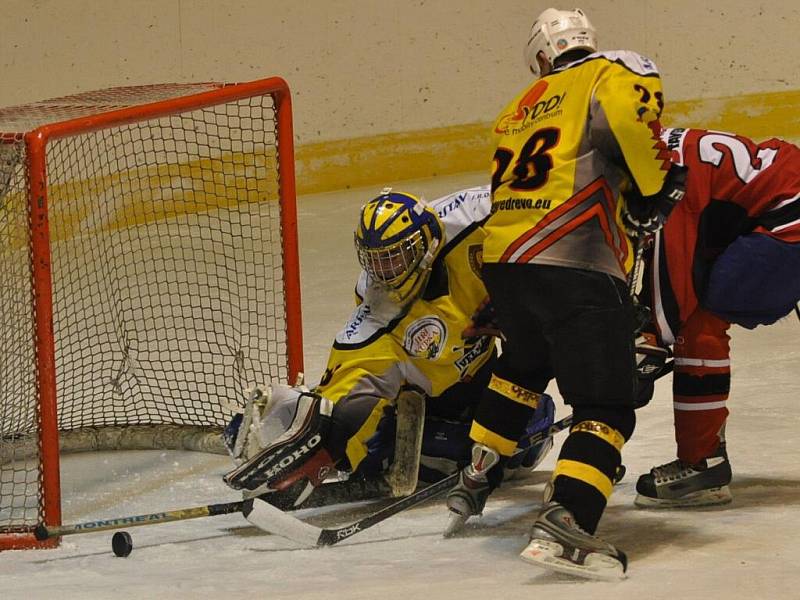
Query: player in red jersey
(729, 253)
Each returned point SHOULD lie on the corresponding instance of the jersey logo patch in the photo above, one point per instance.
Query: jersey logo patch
(475, 256)
(425, 338)
(473, 353)
(532, 107)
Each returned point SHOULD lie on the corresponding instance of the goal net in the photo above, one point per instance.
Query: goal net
(148, 274)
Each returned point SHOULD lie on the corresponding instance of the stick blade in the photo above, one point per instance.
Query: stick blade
(273, 520)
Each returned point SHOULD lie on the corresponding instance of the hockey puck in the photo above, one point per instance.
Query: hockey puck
(122, 543)
(41, 533)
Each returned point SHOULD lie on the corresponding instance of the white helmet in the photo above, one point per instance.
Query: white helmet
(554, 32)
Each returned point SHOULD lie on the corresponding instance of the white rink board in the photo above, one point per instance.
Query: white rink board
(747, 550)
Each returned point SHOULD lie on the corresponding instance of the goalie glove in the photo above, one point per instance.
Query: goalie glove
(651, 364)
(643, 215)
(285, 440)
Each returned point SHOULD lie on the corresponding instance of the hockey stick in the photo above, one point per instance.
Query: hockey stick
(273, 520)
(43, 532)
(332, 493)
(633, 276)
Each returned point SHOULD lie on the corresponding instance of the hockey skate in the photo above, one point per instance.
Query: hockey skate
(680, 485)
(557, 543)
(469, 496)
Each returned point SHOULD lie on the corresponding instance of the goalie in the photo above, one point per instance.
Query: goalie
(398, 394)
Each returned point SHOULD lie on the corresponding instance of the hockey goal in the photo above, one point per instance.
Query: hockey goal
(148, 274)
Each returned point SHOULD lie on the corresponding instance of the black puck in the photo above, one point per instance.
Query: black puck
(122, 543)
(40, 533)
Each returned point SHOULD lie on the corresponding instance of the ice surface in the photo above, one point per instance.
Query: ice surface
(746, 550)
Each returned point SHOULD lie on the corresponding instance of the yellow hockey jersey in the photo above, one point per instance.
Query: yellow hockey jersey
(565, 146)
(385, 347)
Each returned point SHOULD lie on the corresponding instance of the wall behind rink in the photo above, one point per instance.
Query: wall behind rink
(385, 90)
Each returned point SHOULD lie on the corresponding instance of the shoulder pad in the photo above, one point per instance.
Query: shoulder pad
(459, 210)
(360, 327)
(633, 61)
(373, 316)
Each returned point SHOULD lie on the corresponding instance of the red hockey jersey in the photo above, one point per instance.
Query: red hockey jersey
(734, 186)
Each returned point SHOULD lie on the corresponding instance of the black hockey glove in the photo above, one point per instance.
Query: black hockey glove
(643, 215)
(651, 364)
(482, 322)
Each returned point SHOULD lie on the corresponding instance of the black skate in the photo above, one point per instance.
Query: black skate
(557, 543)
(680, 485)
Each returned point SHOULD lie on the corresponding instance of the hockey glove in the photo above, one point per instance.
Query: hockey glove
(643, 215)
(651, 364)
(483, 322)
(285, 440)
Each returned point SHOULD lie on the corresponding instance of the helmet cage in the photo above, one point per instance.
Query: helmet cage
(397, 240)
(391, 265)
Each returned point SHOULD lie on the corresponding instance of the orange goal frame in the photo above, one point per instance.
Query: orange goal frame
(36, 142)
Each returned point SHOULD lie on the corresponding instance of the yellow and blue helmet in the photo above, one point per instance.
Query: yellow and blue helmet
(397, 240)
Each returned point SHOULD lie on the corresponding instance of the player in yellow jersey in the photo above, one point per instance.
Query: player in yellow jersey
(556, 256)
(416, 294)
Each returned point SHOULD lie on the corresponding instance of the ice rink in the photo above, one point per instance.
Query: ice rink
(746, 550)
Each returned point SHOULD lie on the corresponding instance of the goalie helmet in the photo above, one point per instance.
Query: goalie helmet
(397, 240)
(555, 32)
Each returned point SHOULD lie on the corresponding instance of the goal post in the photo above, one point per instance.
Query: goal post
(149, 272)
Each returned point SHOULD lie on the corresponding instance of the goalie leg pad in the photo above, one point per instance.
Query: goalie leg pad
(402, 476)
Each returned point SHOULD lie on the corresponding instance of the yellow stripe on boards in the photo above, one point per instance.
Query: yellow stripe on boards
(481, 435)
(759, 116)
(586, 473)
(375, 160)
(388, 158)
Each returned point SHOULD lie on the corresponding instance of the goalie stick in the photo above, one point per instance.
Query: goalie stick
(43, 532)
(273, 520)
(338, 492)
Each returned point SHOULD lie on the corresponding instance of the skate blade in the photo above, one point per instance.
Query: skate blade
(455, 523)
(595, 566)
(709, 497)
